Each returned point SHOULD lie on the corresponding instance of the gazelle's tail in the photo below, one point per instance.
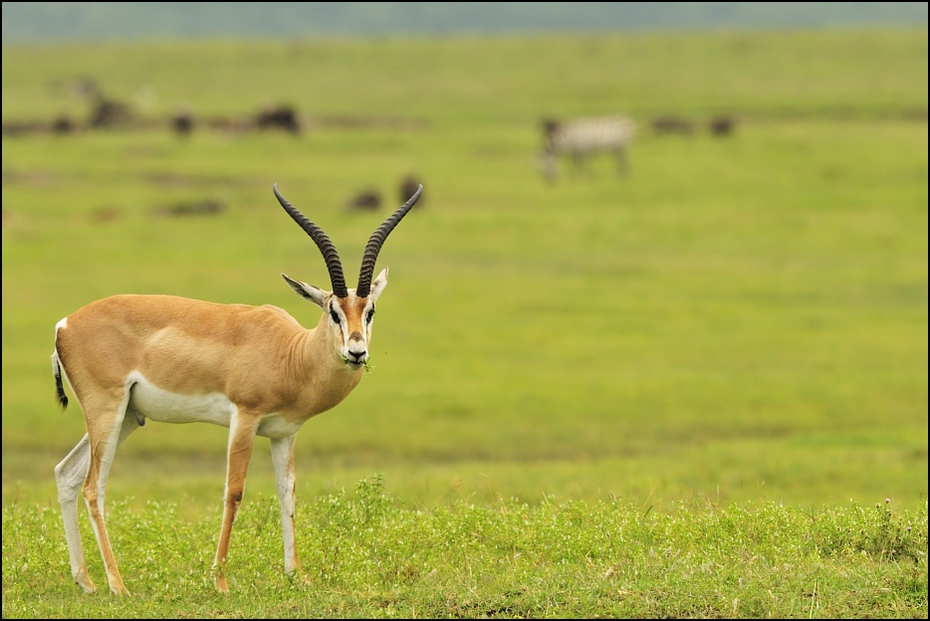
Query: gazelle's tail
(60, 389)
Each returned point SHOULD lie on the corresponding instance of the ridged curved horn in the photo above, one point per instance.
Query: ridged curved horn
(373, 247)
(333, 264)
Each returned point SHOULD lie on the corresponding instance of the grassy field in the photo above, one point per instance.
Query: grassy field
(367, 557)
(740, 320)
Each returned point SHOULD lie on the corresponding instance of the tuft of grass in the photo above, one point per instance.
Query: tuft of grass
(366, 364)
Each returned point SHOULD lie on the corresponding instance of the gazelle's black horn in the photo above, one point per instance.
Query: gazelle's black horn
(333, 264)
(373, 247)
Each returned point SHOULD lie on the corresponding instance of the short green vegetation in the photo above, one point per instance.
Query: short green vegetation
(365, 555)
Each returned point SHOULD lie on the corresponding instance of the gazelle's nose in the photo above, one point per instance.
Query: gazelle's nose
(357, 356)
(357, 350)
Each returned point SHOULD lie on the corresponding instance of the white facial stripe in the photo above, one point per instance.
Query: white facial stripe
(354, 328)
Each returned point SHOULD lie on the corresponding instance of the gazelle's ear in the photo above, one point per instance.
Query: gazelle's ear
(378, 285)
(308, 292)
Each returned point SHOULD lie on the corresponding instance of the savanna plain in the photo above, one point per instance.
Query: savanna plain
(698, 389)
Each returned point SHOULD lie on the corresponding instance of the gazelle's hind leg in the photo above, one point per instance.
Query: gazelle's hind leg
(69, 475)
(90, 462)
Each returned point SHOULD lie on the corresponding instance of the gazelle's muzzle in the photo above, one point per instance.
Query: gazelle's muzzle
(356, 350)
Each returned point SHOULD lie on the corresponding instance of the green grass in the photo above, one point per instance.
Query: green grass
(741, 322)
(366, 556)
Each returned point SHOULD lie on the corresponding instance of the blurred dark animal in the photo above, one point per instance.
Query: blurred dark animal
(206, 207)
(183, 124)
(19, 128)
(368, 200)
(281, 117)
(578, 139)
(62, 125)
(721, 125)
(109, 113)
(408, 187)
(672, 125)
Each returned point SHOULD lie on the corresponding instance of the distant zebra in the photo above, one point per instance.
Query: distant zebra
(582, 137)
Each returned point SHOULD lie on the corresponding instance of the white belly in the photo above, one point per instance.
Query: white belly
(168, 407)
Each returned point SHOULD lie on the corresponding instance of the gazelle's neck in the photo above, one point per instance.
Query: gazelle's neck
(322, 376)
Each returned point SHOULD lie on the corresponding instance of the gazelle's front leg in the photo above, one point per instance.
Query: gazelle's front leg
(242, 430)
(282, 457)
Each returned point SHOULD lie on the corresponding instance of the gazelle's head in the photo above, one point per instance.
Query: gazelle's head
(350, 312)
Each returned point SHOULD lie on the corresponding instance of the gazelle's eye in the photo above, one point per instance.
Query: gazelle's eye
(332, 313)
(370, 316)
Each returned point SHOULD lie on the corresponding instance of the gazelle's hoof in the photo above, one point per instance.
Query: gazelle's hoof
(83, 580)
(119, 590)
(299, 578)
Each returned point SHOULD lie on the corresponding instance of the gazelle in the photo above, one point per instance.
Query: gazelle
(253, 369)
